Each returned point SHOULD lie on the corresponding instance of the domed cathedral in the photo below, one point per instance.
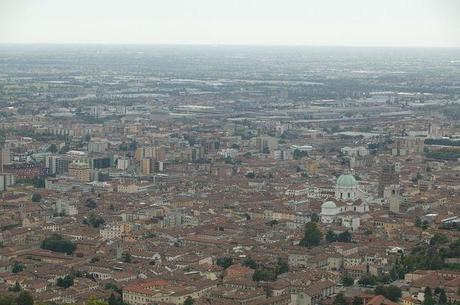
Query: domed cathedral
(347, 188)
(349, 202)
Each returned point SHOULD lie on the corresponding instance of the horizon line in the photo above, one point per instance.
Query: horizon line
(220, 45)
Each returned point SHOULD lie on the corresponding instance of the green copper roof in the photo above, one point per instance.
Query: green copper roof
(328, 205)
(347, 181)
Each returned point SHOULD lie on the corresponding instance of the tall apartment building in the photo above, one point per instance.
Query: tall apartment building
(154, 152)
(98, 145)
(80, 171)
(389, 176)
(266, 143)
(146, 166)
(5, 157)
(5, 181)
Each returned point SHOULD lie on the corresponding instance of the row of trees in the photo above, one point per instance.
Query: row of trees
(429, 256)
(391, 292)
(94, 220)
(23, 298)
(438, 298)
(313, 236)
(37, 182)
(265, 274)
(432, 256)
(57, 243)
(341, 237)
(340, 300)
(444, 154)
(261, 273)
(445, 142)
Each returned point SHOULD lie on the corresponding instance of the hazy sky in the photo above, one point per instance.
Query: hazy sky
(292, 22)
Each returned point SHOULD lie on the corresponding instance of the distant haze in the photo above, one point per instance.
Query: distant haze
(429, 23)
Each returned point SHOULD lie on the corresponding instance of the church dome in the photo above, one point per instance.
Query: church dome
(347, 181)
(328, 205)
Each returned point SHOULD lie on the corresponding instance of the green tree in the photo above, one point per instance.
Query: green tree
(16, 287)
(425, 225)
(264, 274)
(94, 301)
(357, 301)
(442, 298)
(249, 262)
(428, 292)
(432, 256)
(65, 282)
(392, 293)
(339, 299)
(24, 298)
(112, 300)
(314, 217)
(126, 258)
(36, 197)
(189, 301)
(367, 280)
(312, 235)
(347, 280)
(250, 175)
(52, 148)
(17, 267)
(281, 266)
(384, 278)
(94, 220)
(299, 154)
(57, 243)
(439, 239)
(224, 262)
(397, 272)
(91, 203)
(113, 287)
(331, 236)
(7, 300)
(115, 300)
(428, 297)
(344, 237)
(272, 223)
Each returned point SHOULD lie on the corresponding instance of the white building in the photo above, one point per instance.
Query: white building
(98, 145)
(228, 152)
(113, 231)
(123, 163)
(6, 180)
(349, 202)
(355, 151)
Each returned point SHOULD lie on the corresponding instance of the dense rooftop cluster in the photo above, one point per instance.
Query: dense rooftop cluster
(149, 177)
